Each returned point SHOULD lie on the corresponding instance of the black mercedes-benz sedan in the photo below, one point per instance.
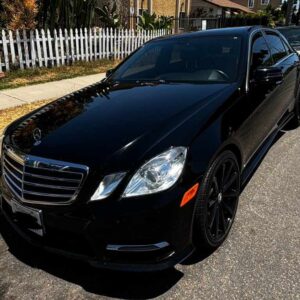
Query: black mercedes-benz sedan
(139, 170)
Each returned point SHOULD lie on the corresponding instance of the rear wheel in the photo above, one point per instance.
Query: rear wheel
(217, 202)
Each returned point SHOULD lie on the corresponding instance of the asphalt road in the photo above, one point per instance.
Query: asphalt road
(260, 259)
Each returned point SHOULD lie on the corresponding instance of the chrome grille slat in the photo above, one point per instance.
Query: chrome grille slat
(47, 185)
(47, 194)
(12, 174)
(51, 178)
(12, 166)
(50, 186)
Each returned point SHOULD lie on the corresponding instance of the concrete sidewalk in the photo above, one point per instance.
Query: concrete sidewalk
(51, 90)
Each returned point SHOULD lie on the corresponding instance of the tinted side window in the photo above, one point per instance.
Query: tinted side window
(260, 56)
(277, 48)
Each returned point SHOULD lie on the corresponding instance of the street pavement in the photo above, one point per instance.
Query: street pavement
(50, 90)
(259, 260)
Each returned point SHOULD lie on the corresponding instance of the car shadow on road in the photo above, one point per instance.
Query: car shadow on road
(101, 282)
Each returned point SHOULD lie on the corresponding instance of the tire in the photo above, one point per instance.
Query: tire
(217, 202)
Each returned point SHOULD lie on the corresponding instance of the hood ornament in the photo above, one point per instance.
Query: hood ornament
(37, 136)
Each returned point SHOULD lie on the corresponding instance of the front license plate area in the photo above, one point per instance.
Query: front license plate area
(28, 217)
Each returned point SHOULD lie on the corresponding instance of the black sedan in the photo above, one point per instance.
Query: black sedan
(141, 169)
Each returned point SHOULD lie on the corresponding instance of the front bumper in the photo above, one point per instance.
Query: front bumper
(148, 234)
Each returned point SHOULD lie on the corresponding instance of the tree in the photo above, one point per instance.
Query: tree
(289, 12)
(108, 15)
(19, 14)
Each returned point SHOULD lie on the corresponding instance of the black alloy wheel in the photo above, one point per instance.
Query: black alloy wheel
(217, 202)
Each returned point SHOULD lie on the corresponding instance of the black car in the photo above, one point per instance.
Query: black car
(292, 34)
(141, 169)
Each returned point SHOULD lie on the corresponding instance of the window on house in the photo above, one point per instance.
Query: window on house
(265, 2)
(250, 3)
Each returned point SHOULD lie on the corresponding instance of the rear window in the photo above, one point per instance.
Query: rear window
(196, 59)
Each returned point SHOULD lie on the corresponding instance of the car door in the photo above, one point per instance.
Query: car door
(288, 61)
(264, 105)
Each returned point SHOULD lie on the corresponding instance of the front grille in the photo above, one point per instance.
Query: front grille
(38, 180)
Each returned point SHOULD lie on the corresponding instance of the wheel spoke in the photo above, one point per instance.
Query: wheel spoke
(213, 216)
(223, 220)
(211, 202)
(228, 173)
(217, 222)
(231, 194)
(223, 174)
(228, 208)
(216, 185)
(230, 182)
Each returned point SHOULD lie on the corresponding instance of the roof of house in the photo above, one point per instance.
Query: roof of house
(230, 4)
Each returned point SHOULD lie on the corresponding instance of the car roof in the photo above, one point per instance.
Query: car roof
(245, 30)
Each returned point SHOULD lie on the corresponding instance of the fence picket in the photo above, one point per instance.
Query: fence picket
(12, 47)
(25, 41)
(77, 55)
(95, 43)
(100, 43)
(86, 44)
(62, 51)
(38, 47)
(82, 56)
(5, 50)
(45, 53)
(56, 48)
(67, 46)
(91, 44)
(49, 39)
(19, 48)
(72, 45)
(32, 49)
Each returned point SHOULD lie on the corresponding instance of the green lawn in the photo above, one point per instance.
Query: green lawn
(19, 78)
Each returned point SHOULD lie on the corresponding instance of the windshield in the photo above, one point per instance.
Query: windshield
(292, 35)
(200, 59)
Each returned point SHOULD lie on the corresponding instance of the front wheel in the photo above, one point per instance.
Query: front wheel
(217, 202)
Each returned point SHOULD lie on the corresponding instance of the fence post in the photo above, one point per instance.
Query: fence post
(5, 50)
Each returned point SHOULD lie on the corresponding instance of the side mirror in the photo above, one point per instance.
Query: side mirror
(109, 72)
(268, 76)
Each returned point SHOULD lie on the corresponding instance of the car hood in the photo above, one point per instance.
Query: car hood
(93, 124)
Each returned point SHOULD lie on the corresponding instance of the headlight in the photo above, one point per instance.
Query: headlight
(107, 186)
(158, 174)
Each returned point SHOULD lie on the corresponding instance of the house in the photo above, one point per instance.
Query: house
(183, 9)
(256, 5)
(216, 8)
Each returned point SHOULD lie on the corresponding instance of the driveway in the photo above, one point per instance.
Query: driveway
(260, 259)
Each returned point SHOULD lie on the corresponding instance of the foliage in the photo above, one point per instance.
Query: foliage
(149, 22)
(19, 14)
(108, 15)
(66, 13)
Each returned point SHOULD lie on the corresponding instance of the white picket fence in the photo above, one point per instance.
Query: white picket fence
(40, 48)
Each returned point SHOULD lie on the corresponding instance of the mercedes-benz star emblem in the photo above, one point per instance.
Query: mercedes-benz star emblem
(37, 136)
